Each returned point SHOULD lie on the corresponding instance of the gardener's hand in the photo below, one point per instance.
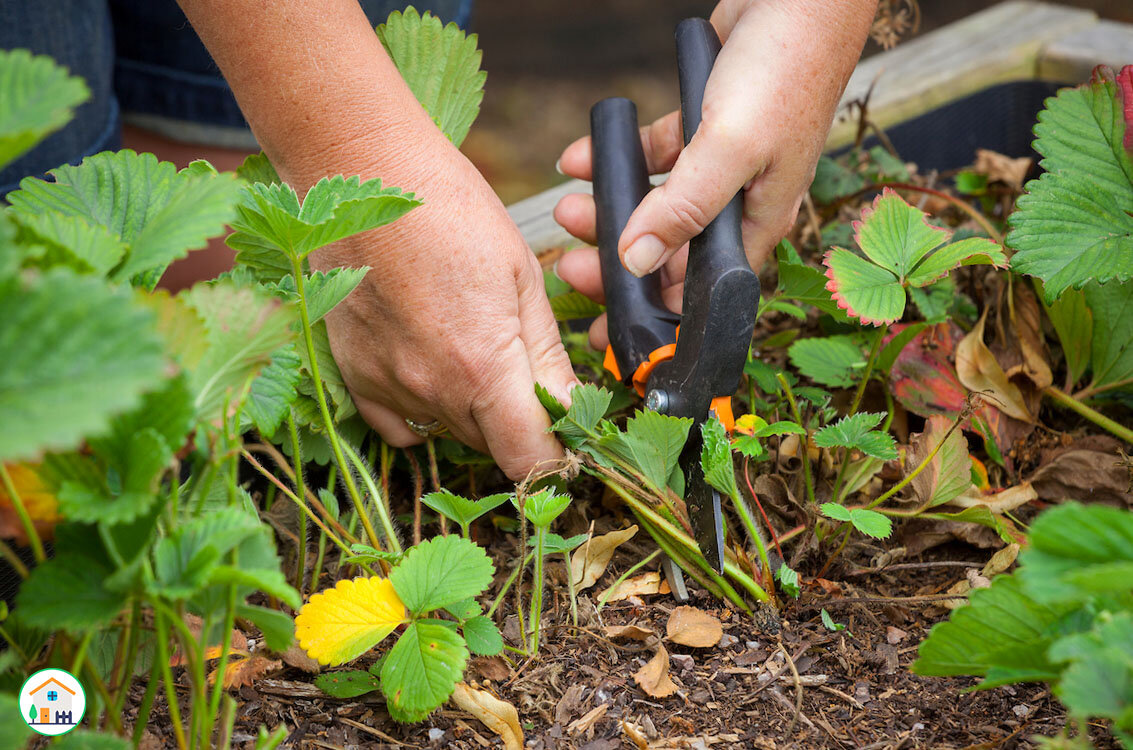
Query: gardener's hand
(767, 108)
(452, 323)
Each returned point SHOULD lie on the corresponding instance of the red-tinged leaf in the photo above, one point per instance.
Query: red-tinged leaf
(895, 235)
(1125, 94)
(923, 377)
(865, 290)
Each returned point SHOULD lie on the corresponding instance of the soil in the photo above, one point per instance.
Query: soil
(855, 685)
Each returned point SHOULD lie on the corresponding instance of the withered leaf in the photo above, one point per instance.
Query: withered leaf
(589, 561)
(654, 678)
(497, 715)
(629, 632)
(979, 371)
(694, 627)
(646, 583)
(244, 670)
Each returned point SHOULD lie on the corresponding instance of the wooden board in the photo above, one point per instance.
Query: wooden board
(1012, 41)
(1074, 56)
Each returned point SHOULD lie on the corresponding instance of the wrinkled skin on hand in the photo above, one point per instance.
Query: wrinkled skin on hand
(768, 106)
(451, 324)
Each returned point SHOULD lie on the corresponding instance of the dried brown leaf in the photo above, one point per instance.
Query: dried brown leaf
(244, 670)
(629, 632)
(590, 560)
(646, 583)
(1092, 476)
(1026, 320)
(999, 502)
(694, 627)
(1000, 168)
(654, 678)
(979, 371)
(497, 715)
(491, 668)
(297, 657)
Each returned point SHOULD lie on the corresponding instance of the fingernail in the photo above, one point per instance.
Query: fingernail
(559, 166)
(644, 255)
(555, 270)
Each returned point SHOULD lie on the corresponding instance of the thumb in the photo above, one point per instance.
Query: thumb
(708, 173)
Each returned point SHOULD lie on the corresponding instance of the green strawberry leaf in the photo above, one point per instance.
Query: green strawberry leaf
(901, 250)
(587, 407)
(422, 669)
(335, 208)
(652, 442)
(1111, 351)
(716, 459)
(243, 330)
(574, 306)
(349, 684)
(835, 361)
(482, 636)
(439, 572)
(543, 507)
(39, 97)
(68, 592)
(273, 391)
(461, 510)
(75, 352)
(856, 432)
(1001, 625)
(441, 65)
(156, 213)
(869, 522)
(1074, 223)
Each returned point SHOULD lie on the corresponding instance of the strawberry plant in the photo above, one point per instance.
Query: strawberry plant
(422, 668)
(1064, 618)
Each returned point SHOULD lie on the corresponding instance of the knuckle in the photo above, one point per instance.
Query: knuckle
(689, 217)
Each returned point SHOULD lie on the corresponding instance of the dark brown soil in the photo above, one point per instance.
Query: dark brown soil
(855, 685)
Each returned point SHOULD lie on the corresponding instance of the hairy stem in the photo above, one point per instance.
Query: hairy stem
(328, 421)
(1074, 405)
(301, 492)
(807, 479)
(22, 512)
(379, 500)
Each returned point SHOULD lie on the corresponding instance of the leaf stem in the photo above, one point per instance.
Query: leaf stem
(22, 512)
(379, 500)
(690, 545)
(301, 492)
(537, 589)
(620, 579)
(807, 479)
(167, 674)
(919, 468)
(1073, 404)
(328, 421)
(295, 499)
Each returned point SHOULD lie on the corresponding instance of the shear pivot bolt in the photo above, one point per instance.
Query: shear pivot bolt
(657, 400)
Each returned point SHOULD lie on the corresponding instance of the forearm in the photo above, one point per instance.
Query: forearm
(318, 89)
(802, 48)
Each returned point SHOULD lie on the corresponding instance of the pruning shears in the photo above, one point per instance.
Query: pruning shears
(695, 374)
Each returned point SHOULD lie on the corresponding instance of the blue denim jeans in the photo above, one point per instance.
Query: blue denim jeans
(143, 63)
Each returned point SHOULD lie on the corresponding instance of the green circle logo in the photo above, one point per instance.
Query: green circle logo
(52, 702)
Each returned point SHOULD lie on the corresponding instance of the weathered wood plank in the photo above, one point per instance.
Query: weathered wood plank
(1074, 56)
(994, 46)
(1012, 41)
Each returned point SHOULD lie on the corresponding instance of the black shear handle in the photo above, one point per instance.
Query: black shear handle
(721, 291)
(637, 319)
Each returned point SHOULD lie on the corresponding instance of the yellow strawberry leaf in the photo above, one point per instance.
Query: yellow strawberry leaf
(340, 624)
